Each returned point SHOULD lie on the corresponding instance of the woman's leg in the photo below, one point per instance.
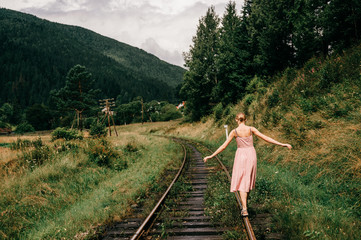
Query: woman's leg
(244, 197)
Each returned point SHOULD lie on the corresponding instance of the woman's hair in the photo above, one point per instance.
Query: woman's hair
(241, 117)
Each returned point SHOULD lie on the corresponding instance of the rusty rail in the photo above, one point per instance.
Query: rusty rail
(246, 221)
(148, 222)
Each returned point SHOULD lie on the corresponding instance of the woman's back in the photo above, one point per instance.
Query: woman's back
(243, 131)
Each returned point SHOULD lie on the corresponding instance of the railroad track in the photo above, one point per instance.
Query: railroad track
(183, 218)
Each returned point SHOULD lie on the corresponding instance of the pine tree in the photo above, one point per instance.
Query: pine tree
(233, 60)
(78, 94)
(270, 31)
(341, 22)
(201, 77)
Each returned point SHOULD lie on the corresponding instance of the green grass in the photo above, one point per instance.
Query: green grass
(69, 196)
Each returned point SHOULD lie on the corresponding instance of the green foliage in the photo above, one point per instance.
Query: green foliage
(169, 112)
(218, 112)
(131, 147)
(39, 116)
(66, 146)
(34, 153)
(233, 61)
(201, 78)
(153, 111)
(273, 99)
(268, 38)
(20, 144)
(67, 134)
(98, 129)
(37, 156)
(101, 153)
(24, 128)
(78, 94)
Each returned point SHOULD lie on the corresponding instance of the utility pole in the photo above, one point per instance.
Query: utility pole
(142, 109)
(105, 105)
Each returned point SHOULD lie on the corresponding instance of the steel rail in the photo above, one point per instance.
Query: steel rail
(246, 221)
(148, 222)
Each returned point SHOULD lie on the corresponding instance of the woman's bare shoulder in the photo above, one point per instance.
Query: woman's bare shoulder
(253, 129)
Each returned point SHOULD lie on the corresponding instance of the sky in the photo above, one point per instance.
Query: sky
(162, 27)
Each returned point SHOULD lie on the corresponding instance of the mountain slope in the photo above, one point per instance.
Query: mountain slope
(37, 54)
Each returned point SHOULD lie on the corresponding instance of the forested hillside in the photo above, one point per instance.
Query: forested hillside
(268, 37)
(37, 54)
(294, 68)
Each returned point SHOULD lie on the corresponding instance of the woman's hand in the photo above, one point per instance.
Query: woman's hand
(206, 158)
(288, 146)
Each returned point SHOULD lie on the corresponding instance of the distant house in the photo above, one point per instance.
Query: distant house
(5, 131)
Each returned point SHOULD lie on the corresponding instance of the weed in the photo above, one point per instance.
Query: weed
(66, 146)
(98, 129)
(131, 147)
(101, 153)
(67, 134)
(20, 144)
(36, 157)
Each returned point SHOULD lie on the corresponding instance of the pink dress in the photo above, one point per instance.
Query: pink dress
(245, 165)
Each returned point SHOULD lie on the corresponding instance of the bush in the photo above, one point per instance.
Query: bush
(64, 146)
(98, 129)
(273, 99)
(131, 147)
(33, 157)
(37, 156)
(20, 144)
(169, 112)
(24, 128)
(218, 112)
(62, 133)
(101, 153)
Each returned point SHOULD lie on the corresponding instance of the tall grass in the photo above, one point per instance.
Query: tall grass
(70, 195)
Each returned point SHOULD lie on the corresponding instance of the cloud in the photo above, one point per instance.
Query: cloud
(151, 46)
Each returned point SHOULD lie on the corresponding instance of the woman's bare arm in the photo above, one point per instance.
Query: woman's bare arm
(268, 139)
(222, 147)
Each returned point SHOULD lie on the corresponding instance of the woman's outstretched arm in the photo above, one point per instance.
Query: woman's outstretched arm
(268, 139)
(222, 147)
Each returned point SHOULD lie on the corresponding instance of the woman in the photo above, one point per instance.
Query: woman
(245, 161)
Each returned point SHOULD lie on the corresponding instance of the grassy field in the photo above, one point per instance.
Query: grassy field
(69, 196)
(312, 191)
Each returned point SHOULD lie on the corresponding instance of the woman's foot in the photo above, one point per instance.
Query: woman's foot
(244, 213)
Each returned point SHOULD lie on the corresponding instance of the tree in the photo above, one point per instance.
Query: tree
(233, 60)
(201, 77)
(78, 94)
(39, 116)
(341, 22)
(306, 30)
(270, 31)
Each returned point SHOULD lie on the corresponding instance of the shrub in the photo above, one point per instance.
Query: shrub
(131, 147)
(273, 99)
(24, 128)
(61, 146)
(248, 99)
(38, 155)
(169, 112)
(62, 133)
(98, 129)
(101, 153)
(217, 112)
(20, 144)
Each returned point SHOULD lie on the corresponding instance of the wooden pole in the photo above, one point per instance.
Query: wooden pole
(142, 109)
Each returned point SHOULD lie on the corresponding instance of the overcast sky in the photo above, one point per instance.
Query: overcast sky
(162, 27)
